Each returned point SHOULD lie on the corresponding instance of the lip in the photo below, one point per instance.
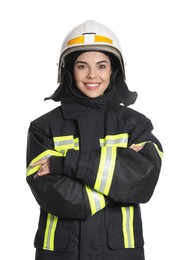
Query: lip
(91, 85)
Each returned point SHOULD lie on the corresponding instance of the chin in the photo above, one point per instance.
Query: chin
(93, 96)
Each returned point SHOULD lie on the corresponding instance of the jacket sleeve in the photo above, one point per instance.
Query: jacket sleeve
(120, 173)
(55, 193)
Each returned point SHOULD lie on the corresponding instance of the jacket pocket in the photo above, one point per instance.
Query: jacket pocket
(57, 240)
(127, 237)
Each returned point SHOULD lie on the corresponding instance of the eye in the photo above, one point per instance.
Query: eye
(102, 66)
(80, 66)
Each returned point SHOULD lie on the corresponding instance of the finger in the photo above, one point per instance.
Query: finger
(133, 146)
(41, 173)
(139, 148)
(136, 148)
(44, 170)
(39, 162)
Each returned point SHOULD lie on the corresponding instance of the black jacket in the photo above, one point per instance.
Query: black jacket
(90, 200)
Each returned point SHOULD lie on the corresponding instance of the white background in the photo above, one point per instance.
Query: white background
(31, 33)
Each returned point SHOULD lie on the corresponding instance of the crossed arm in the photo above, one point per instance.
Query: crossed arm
(45, 163)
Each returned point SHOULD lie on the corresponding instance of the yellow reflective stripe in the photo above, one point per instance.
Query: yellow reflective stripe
(95, 38)
(100, 169)
(76, 143)
(96, 200)
(63, 143)
(111, 171)
(131, 224)
(46, 154)
(100, 38)
(120, 140)
(76, 40)
(105, 170)
(156, 147)
(50, 232)
(128, 226)
(158, 150)
(124, 219)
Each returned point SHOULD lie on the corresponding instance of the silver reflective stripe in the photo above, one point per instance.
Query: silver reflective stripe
(64, 142)
(50, 232)
(116, 141)
(106, 168)
(96, 200)
(76, 144)
(128, 226)
(120, 140)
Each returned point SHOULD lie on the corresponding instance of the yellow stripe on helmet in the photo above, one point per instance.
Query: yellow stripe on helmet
(99, 38)
(76, 40)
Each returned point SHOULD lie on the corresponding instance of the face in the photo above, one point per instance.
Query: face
(92, 72)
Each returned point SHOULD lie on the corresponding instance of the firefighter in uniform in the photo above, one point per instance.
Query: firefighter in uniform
(92, 160)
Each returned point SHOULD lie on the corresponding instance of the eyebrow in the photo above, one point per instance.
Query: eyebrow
(84, 62)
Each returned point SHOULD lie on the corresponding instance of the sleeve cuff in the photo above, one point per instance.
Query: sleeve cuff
(56, 165)
(71, 163)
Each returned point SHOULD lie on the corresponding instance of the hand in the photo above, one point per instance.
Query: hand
(136, 148)
(44, 167)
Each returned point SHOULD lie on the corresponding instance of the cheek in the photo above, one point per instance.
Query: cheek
(107, 77)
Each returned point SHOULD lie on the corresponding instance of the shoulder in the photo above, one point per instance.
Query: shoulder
(131, 114)
(126, 113)
(137, 122)
(131, 118)
(48, 118)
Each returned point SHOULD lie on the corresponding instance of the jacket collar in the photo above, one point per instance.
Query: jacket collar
(75, 108)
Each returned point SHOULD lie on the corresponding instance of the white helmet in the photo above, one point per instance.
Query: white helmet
(91, 35)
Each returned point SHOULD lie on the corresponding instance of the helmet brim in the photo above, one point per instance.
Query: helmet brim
(94, 47)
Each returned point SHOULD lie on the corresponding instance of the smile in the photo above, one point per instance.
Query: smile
(92, 86)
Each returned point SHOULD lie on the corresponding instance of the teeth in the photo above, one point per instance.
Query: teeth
(92, 85)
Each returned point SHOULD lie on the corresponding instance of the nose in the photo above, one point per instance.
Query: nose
(92, 73)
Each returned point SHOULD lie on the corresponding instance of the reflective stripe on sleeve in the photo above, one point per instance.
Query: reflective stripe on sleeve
(105, 170)
(128, 226)
(50, 232)
(96, 200)
(156, 147)
(46, 154)
(63, 143)
(120, 140)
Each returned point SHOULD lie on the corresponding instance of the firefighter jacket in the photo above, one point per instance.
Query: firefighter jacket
(90, 200)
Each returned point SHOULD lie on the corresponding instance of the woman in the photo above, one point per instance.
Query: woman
(92, 160)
